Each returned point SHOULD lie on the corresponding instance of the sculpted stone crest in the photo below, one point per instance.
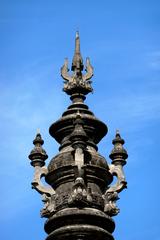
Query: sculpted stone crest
(77, 80)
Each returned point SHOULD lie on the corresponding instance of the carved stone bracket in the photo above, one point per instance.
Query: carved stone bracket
(117, 170)
(111, 194)
(37, 184)
(47, 192)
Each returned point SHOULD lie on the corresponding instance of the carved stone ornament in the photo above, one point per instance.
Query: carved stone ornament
(47, 192)
(77, 81)
(111, 194)
(81, 195)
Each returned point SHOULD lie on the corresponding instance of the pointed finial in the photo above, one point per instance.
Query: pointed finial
(118, 138)
(38, 154)
(77, 83)
(77, 44)
(117, 132)
(77, 62)
(38, 130)
(38, 139)
(77, 34)
(118, 154)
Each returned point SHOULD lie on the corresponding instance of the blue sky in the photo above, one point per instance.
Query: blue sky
(122, 39)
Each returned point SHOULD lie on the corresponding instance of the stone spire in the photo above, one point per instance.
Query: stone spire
(118, 154)
(77, 62)
(80, 199)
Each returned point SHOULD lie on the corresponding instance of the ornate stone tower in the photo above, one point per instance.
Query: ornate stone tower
(80, 201)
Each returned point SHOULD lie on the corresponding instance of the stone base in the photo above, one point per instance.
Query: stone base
(80, 224)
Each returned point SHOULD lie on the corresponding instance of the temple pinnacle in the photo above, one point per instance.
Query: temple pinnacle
(80, 199)
(77, 82)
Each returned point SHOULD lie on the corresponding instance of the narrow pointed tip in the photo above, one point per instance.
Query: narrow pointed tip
(77, 34)
(38, 131)
(118, 135)
(77, 61)
(118, 138)
(38, 138)
(77, 43)
(117, 132)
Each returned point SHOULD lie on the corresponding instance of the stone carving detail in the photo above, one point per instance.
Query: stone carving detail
(77, 80)
(40, 172)
(110, 203)
(47, 192)
(61, 200)
(81, 196)
(117, 170)
(49, 205)
(111, 195)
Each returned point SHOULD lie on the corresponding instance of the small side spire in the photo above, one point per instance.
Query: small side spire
(38, 154)
(78, 137)
(118, 153)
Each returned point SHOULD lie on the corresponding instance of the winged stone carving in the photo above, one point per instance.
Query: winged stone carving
(77, 80)
(65, 70)
(89, 71)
